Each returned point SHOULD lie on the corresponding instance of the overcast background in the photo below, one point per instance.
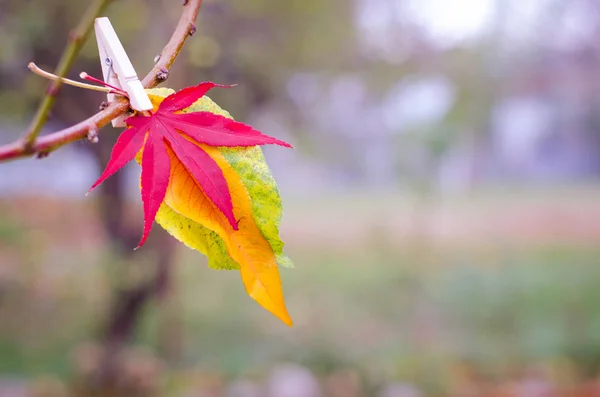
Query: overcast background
(441, 205)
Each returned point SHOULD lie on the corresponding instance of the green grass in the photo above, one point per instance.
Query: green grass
(362, 297)
(386, 309)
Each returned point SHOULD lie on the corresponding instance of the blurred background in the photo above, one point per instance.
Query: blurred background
(442, 206)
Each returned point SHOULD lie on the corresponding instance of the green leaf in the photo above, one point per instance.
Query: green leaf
(254, 172)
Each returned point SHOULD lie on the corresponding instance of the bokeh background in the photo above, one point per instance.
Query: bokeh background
(442, 206)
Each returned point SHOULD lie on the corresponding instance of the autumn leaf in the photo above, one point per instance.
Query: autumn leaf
(249, 163)
(204, 179)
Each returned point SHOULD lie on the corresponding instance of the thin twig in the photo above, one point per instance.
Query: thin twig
(50, 142)
(53, 141)
(77, 39)
(173, 48)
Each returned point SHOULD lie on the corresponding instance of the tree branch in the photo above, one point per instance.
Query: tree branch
(77, 39)
(159, 73)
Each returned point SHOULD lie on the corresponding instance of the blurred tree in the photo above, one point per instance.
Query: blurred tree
(30, 34)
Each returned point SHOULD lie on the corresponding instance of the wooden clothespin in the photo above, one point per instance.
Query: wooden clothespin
(118, 70)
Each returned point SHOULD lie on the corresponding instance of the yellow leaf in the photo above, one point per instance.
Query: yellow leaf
(247, 246)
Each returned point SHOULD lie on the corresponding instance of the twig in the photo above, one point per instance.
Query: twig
(48, 143)
(77, 39)
(53, 141)
(185, 26)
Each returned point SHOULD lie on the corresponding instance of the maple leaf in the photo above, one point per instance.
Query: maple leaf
(169, 128)
(206, 182)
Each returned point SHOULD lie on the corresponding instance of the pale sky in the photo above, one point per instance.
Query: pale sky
(448, 21)
(452, 20)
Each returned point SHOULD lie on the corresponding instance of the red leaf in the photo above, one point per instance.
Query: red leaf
(180, 131)
(186, 97)
(206, 172)
(201, 126)
(156, 169)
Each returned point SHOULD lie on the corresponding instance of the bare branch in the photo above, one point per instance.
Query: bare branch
(173, 48)
(159, 72)
(77, 39)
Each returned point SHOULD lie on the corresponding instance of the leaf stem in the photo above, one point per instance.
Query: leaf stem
(109, 88)
(40, 72)
(80, 130)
